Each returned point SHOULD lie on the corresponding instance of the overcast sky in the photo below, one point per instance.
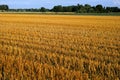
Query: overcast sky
(51, 3)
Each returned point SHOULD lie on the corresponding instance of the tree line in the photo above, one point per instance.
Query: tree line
(74, 8)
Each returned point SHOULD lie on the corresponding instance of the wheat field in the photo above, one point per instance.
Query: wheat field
(59, 47)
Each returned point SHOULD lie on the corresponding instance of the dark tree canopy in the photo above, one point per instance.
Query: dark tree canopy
(99, 8)
(43, 9)
(58, 8)
(4, 7)
(85, 9)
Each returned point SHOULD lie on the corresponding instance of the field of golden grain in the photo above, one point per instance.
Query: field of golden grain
(54, 47)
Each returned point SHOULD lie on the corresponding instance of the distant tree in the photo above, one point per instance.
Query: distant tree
(87, 7)
(69, 9)
(58, 8)
(65, 9)
(108, 9)
(43, 9)
(74, 8)
(115, 9)
(91, 10)
(99, 8)
(4, 7)
(80, 7)
(83, 10)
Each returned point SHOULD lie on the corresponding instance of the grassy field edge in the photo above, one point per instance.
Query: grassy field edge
(64, 13)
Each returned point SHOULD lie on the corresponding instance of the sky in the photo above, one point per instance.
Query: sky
(50, 3)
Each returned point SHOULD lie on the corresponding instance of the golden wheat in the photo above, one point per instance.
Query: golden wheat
(54, 47)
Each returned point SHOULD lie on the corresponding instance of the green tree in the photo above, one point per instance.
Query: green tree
(4, 7)
(58, 8)
(83, 10)
(99, 8)
(87, 7)
(43, 9)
